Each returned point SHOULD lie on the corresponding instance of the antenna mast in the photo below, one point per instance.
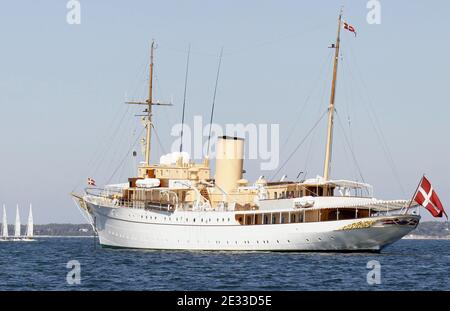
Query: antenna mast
(184, 97)
(328, 150)
(214, 102)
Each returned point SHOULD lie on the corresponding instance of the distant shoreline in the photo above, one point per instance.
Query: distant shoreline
(426, 238)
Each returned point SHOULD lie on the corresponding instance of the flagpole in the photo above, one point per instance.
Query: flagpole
(415, 192)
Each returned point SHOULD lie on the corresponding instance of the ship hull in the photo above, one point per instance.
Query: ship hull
(143, 229)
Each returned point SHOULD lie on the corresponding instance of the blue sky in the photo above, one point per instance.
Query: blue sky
(62, 88)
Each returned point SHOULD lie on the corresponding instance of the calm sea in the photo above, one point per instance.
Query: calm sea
(42, 265)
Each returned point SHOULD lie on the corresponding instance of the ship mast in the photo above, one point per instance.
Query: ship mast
(148, 110)
(328, 150)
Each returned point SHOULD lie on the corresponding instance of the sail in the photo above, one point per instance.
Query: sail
(4, 223)
(17, 225)
(30, 224)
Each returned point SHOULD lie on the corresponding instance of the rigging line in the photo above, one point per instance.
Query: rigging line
(97, 155)
(214, 100)
(308, 97)
(299, 145)
(108, 142)
(352, 100)
(370, 104)
(158, 83)
(346, 93)
(121, 139)
(157, 138)
(167, 116)
(124, 166)
(126, 155)
(169, 46)
(378, 128)
(350, 147)
(184, 97)
(141, 76)
(280, 38)
(322, 103)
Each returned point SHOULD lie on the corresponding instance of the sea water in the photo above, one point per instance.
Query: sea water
(43, 265)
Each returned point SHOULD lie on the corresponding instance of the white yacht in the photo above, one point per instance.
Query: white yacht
(17, 227)
(5, 234)
(179, 204)
(30, 227)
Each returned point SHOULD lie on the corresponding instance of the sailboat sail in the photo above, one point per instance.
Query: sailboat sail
(30, 224)
(4, 223)
(17, 225)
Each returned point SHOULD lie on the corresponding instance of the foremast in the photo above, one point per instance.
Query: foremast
(329, 144)
(149, 103)
(149, 108)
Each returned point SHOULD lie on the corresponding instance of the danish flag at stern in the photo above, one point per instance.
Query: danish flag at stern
(427, 197)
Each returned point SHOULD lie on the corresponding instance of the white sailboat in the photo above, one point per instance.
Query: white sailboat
(4, 225)
(29, 236)
(17, 225)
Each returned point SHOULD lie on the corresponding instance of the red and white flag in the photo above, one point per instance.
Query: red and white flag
(349, 27)
(91, 181)
(427, 197)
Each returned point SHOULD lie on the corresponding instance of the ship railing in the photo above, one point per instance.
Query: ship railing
(168, 200)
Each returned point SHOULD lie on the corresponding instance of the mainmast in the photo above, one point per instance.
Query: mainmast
(328, 150)
(148, 110)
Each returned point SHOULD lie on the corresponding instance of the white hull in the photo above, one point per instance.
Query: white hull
(136, 228)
